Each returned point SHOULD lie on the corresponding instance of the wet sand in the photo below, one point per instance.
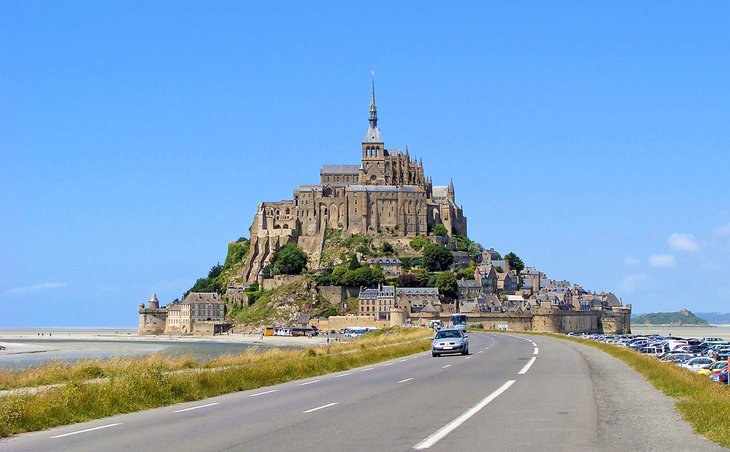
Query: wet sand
(24, 348)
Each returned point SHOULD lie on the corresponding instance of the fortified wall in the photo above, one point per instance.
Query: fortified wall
(544, 321)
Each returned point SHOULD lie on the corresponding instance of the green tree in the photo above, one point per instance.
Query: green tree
(289, 260)
(363, 277)
(215, 271)
(387, 248)
(353, 263)
(417, 242)
(407, 280)
(337, 275)
(436, 257)
(447, 285)
(440, 230)
(515, 263)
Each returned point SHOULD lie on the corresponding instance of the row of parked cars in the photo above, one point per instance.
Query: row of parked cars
(708, 355)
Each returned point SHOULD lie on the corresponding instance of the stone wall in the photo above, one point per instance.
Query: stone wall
(280, 280)
(336, 295)
(152, 321)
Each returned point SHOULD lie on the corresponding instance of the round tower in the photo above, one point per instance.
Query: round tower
(153, 302)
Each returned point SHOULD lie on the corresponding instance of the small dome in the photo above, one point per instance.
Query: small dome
(153, 298)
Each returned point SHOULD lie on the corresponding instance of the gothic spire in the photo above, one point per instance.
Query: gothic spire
(373, 133)
(373, 108)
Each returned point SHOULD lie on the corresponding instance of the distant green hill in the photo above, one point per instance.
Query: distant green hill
(683, 317)
(715, 317)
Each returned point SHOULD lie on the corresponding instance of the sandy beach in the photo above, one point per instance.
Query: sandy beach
(29, 347)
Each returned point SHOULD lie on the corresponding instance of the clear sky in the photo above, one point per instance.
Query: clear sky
(136, 138)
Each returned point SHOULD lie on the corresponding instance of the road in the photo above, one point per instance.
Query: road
(512, 393)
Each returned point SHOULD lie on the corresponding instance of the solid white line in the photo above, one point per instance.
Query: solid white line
(87, 430)
(536, 350)
(262, 393)
(448, 365)
(365, 370)
(343, 375)
(453, 425)
(320, 407)
(403, 381)
(309, 382)
(527, 366)
(195, 407)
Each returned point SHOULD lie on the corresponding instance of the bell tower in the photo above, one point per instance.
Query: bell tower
(372, 170)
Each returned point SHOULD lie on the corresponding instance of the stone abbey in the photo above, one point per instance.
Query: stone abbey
(387, 194)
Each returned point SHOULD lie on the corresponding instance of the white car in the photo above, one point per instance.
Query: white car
(696, 364)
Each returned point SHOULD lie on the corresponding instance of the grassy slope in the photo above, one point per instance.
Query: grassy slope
(139, 383)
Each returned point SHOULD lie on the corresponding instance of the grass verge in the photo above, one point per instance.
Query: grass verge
(704, 404)
(137, 384)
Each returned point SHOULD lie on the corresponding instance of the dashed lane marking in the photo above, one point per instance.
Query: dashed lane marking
(404, 380)
(320, 407)
(527, 366)
(86, 430)
(536, 351)
(367, 369)
(195, 407)
(263, 393)
(468, 357)
(453, 425)
(448, 365)
(309, 382)
(343, 375)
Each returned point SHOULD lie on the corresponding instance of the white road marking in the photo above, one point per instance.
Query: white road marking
(343, 375)
(309, 382)
(403, 381)
(481, 351)
(453, 425)
(527, 366)
(86, 430)
(263, 393)
(468, 357)
(448, 365)
(365, 370)
(320, 407)
(195, 407)
(536, 350)
(387, 364)
(402, 360)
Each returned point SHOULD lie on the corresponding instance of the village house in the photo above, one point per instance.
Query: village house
(391, 266)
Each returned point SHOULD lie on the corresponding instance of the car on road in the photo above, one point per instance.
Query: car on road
(450, 340)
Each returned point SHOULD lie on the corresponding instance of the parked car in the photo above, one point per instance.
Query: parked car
(720, 377)
(449, 340)
(717, 366)
(698, 363)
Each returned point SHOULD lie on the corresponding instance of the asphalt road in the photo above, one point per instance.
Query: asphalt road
(512, 393)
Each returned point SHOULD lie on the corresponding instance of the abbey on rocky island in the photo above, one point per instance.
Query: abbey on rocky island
(387, 194)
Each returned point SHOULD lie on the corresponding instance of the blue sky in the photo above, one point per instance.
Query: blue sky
(136, 138)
